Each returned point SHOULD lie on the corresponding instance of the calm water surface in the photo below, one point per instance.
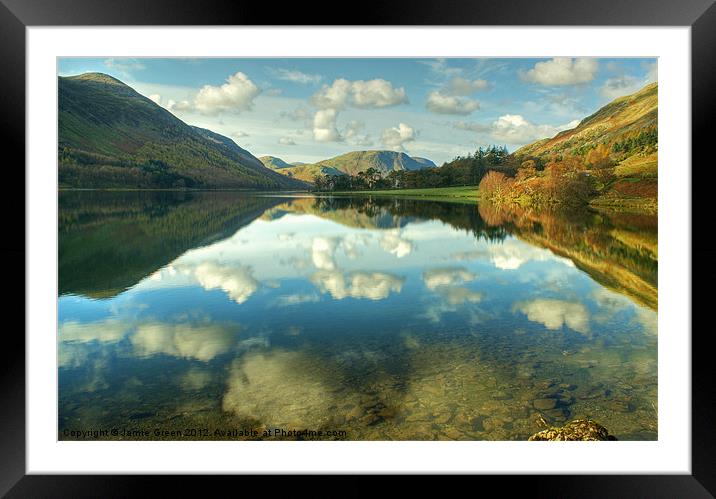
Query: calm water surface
(383, 318)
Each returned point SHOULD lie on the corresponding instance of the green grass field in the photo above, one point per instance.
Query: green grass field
(462, 194)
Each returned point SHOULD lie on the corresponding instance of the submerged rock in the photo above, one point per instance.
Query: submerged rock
(545, 404)
(579, 429)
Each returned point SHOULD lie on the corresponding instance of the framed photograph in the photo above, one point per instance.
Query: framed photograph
(434, 242)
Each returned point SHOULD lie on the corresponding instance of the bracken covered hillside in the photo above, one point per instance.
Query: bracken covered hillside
(627, 127)
(610, 159)
(110, 136)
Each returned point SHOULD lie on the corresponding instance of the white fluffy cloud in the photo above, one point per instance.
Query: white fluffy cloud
(322, 252)
(369, 94)
(236, 281)
(330, 99)
(156, 98)
(435, 278)
(236, 95)
(324, 126)
(334, 96)
(370, 285)
(104, 331)
(511, 255)
(441, 103)
(562, 71)
(556, 313)
(396, 137)
(330, 279)
(515, 129)
(446, 283)
(202, 342)
(393, 243)
(376, 94)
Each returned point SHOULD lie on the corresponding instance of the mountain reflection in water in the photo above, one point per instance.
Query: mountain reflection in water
(387, 318)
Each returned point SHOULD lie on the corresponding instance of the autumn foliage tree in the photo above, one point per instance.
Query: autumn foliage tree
(495, 185)
(568, 182)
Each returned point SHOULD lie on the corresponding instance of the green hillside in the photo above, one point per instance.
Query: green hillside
(625, 131)
(308, 173)
(110, 136)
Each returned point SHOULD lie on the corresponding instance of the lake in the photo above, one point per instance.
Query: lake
(199, 315)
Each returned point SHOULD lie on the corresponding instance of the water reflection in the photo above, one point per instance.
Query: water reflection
(387, 318)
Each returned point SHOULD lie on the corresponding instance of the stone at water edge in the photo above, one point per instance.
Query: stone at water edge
(579, 429)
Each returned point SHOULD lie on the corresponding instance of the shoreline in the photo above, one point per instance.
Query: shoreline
(460, 194)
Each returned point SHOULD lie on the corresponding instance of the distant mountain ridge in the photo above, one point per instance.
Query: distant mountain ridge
(274, 163)
(110, 136)
(355, 162)
(350, 163)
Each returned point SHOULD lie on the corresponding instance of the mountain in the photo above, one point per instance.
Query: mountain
(308, 172)
(625, 129)
(110, 136)
(384, 161)
(349, 164)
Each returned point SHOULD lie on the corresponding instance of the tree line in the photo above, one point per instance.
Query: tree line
(461, 171)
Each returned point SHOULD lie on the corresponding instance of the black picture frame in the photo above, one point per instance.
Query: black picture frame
(17, 15)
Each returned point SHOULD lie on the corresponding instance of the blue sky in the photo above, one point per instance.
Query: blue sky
(311, 109)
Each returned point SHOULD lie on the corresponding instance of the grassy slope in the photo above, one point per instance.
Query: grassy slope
(274, 163)
(307, 173)
(111, 136)
(464, 194)
(620, 118)
(625, 118)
